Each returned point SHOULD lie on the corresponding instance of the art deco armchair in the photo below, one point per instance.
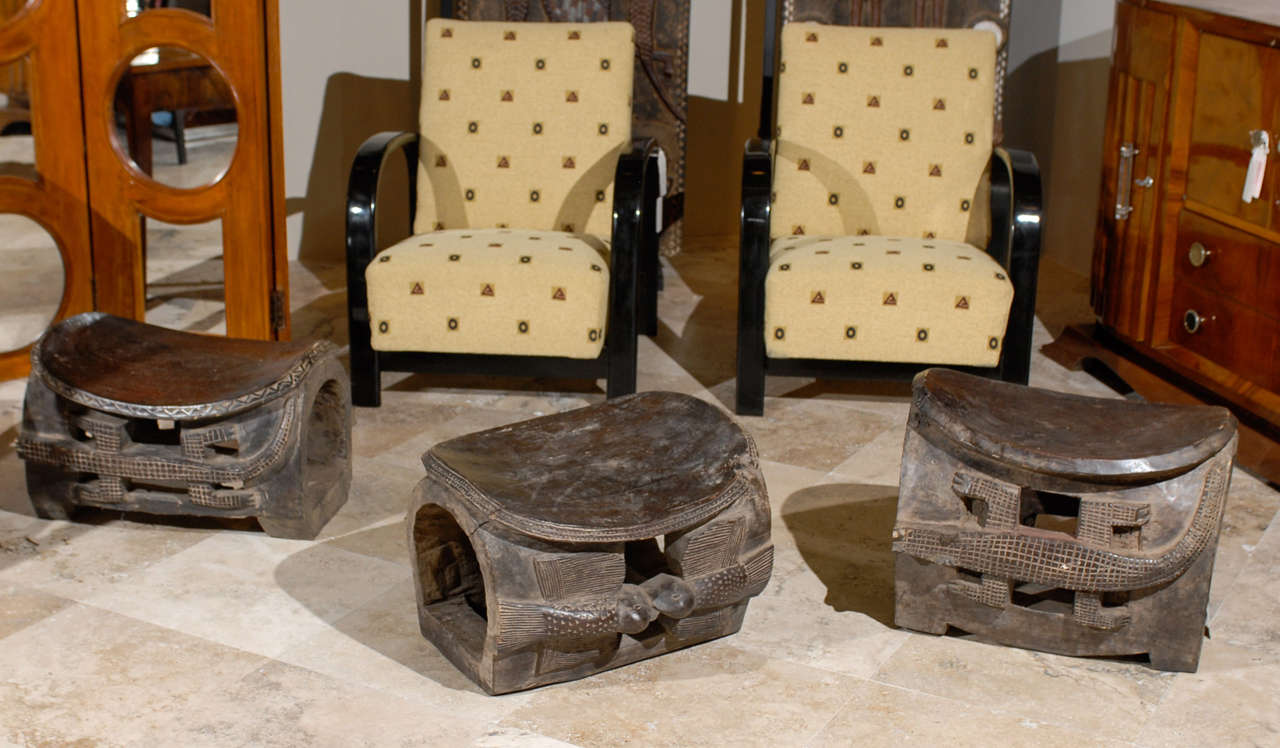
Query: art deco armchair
(534, 250)
(863, 222)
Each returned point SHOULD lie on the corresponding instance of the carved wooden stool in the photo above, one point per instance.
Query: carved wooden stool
(560, 547)
(1062, 523)
(124, 415)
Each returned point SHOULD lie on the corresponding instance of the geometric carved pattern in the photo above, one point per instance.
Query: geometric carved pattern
(265, 465)
(567, 514)
(579, 574)
(1067, 563)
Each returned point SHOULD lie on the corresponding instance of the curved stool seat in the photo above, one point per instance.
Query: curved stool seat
(559, 547)
(129, 416)
(100, 360)
(1077, 437)
(1058, 522)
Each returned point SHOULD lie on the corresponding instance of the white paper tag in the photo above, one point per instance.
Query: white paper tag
(662, 188)
(1257, 166)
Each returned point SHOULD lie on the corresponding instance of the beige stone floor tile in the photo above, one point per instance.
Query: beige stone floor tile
(1231, 700)
(805, 631)
(250, 591)
(842, 532)
(1251, 508)
(408, 454)
(86, 674)
(380, 647)
(712, 694)
(510, 737)
(379, 492)
(813, 433)
(21, 607)
(80, 560)
(1250, 610)
(388, 541)
(1107, 699)
(282, 705)
(880, 715)
(880, 461)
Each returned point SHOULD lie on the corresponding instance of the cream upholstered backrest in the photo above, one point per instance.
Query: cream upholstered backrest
(883, 131)
(522, 123)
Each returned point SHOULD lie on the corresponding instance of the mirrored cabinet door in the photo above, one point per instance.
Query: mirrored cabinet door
(45, 257)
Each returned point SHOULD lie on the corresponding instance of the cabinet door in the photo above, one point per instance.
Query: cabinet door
(1135, 161)
(146, 69)
(45, 263)
(1232, 99)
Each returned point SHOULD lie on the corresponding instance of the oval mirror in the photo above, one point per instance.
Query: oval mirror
(175, 117)
(32, 277)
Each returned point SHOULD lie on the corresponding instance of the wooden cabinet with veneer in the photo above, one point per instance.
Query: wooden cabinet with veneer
(1186, 270)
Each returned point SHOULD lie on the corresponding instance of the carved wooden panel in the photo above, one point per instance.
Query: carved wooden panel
(661, 69)
(981, 14)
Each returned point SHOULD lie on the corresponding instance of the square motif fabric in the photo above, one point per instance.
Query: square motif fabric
(522, 124)
(883, 132)
(875, 298)
(494, 291)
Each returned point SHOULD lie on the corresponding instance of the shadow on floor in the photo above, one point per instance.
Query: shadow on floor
(387, 625)
(842, 531)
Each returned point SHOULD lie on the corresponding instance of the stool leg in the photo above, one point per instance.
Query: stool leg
(43, 486)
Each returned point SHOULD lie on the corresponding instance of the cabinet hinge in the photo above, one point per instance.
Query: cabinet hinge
(277, 310)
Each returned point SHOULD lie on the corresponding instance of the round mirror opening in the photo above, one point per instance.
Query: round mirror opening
(175, 117)
(31, 278)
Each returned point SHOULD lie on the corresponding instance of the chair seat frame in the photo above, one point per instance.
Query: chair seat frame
(1016, 215)
(633, 279)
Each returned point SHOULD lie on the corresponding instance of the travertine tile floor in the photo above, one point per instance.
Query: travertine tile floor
(128, 631)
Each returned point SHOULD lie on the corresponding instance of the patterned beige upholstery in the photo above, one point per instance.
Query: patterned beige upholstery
(884, 133)
(533, 293)
(522, 124)
(521, 128)
(875, 298)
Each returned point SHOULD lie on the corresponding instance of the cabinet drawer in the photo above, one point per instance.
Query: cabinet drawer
(1229, 334)
(1240, 265)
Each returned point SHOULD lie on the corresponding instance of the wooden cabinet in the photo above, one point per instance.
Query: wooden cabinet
(1185, 271)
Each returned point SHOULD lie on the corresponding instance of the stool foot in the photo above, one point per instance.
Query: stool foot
(1176, 659)
(297, 528)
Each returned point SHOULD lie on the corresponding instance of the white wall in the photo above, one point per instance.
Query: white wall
(319, 38)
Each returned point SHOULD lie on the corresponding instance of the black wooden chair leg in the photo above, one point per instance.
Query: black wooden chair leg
(366, 378)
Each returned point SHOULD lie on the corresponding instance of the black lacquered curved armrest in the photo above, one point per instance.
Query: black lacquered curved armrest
(753, 261)
(1017, 216)
(635, 193)
(362, 202)
(362, 189)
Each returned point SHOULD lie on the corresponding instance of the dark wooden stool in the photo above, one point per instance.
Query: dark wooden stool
(560, 547)
(129, 416)
(1068, 524)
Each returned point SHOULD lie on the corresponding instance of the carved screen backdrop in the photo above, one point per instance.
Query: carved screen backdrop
(975, 14)
(661, 107)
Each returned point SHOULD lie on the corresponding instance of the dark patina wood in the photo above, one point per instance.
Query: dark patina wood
(661, 104)
(1057, 522)
(128, 416)
(563, 546)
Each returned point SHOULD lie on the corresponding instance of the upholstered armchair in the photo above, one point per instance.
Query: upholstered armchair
(534, 250)
(881, 231)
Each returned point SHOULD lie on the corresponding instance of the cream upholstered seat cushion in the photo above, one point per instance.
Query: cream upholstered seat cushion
(874, 298)
(522, 124)
(883, 131)
(495, 291)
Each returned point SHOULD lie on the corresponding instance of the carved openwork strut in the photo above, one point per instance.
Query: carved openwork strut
(1036, 556)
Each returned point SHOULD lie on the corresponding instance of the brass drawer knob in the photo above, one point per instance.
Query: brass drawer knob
(1192, 321)
(1198, 254)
